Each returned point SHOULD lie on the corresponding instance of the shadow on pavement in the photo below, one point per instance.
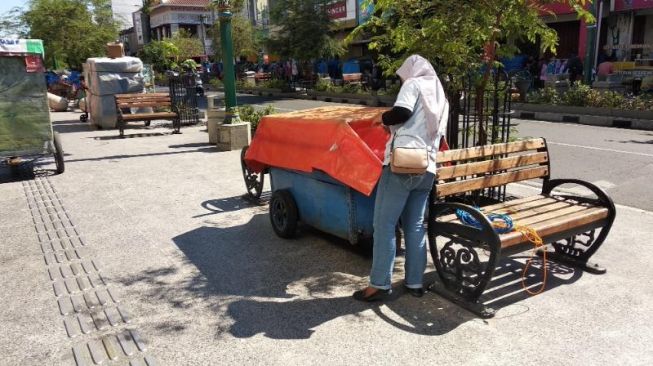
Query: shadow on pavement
(125, 156)
(71, 126)
(284, 289)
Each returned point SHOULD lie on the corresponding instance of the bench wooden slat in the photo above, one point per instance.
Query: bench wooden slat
(557, 224)
(489, 150)
(447, 189)
(144, 104)
(148, 116)
(142, 95)
(510, 206)
(467, 169)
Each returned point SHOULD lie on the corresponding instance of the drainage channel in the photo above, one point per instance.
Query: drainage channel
(98, 326)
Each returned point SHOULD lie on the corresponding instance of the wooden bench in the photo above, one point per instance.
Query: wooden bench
(465, 256)
(153, 100)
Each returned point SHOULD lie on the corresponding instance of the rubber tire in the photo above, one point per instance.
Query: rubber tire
(58, 154)
(286, 225)
(83, 118)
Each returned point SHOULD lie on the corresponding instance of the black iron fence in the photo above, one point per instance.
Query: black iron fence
(480, 115)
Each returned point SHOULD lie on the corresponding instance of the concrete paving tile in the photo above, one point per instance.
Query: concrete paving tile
(82, 355)
(112, 347)
(98, 353)
(127, 343)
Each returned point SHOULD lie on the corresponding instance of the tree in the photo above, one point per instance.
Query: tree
(160, 54)
(243, 34)
(72, 30)
(187, 45)
(304, 30)
(459, 37)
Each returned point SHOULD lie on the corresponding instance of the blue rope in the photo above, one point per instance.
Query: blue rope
(501, 223)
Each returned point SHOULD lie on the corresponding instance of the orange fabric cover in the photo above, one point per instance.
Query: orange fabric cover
(340, 141)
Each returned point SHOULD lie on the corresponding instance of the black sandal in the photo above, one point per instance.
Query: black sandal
(378, 295)
(417, 292)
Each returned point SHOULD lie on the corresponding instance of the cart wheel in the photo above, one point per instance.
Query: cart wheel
(58, 154)
(83, 117)
(148, 123)
(283, 214)
(253, 181)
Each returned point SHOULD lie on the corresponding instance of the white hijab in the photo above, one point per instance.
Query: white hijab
(436, 108)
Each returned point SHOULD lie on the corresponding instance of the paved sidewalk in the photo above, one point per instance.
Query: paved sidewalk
(145, 247)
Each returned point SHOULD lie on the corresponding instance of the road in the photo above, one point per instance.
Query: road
(617, 160)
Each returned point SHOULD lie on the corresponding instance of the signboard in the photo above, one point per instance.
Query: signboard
(365, 12)
(13, 45)
(337, 10)
(621, 5)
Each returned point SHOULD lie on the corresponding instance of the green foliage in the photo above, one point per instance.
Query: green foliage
(252, 115)
(577, 95)
(215, 83)
(71, 30)
(189, 65)
(456, 36)
(324, 85)
(187, 45)
(351, 88)
(581, 95)
(160, 54)
(546, 95)
(274, 84)
(244, 37)
(303, 30)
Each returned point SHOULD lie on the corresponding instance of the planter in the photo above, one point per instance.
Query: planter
(270, 92)
(365, 99)
(591, 111)
(234, 136)
(386, 100)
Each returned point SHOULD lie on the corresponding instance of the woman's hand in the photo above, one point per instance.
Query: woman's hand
(378, 120)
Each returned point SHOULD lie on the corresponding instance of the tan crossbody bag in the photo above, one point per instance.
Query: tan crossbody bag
(408, 160)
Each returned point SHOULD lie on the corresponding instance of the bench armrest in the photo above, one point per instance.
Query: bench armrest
(600, 194)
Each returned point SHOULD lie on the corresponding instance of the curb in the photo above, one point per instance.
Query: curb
(585, 119)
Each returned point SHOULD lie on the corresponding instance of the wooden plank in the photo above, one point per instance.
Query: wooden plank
(463, 170)
(447, 189)
(143, 104)
(142, 94)
(511, 206)
(489, 150)
(537, 217)
(148, 116)
(557, 225)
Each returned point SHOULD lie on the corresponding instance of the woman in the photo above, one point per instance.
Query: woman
(418, 119)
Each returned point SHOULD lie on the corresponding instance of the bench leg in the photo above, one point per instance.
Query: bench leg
(464, 257)
(176, 126)
(577, 250)
(121, 126)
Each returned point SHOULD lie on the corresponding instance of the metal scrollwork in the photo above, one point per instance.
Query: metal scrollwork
(461, 262)
(576, 246)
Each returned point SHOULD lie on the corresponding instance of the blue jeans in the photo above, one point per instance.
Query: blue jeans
(400, 196)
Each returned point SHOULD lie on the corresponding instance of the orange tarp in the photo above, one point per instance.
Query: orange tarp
(340, 141)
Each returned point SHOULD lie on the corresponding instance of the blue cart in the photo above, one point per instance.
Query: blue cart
(321, 202)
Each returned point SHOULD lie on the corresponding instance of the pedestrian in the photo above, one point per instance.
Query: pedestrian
(417, 120)
(575, 67)
(605, 68)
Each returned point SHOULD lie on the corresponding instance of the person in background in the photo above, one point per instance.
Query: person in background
(418, 118)
(575, 67)
(605, 68)
(543, 66)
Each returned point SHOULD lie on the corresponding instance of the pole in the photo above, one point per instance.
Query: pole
(599, 24)
(589, 49)
(231, 114)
